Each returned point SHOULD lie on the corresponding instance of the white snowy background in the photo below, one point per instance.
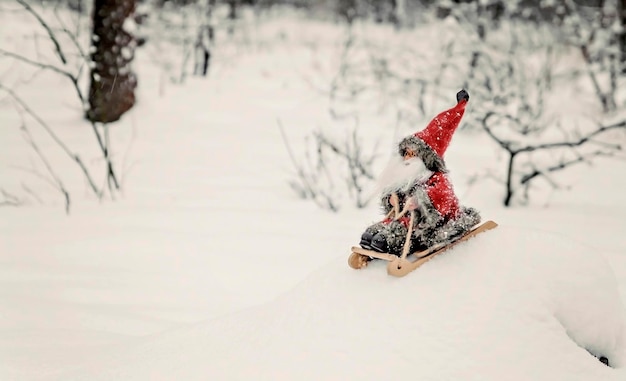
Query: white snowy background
(209, 267)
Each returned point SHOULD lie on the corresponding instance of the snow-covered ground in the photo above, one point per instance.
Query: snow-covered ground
(209, 267)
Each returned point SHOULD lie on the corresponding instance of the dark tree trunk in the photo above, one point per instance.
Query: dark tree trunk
(112, 89)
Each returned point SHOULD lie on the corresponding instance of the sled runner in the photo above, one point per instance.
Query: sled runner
(401, 265)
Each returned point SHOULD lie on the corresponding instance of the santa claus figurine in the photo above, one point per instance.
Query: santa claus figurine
(416, 180)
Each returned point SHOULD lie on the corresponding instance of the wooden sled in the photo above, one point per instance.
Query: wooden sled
(399, 266)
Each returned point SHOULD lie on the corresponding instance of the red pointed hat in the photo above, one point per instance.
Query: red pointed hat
(431, 143)
(439, 131)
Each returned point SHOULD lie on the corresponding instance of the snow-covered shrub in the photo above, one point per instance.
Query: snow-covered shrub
(544, 100)
(334, 171)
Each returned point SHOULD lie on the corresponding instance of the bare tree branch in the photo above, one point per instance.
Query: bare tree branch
(585, 139)
(36, 64)
(45, 25)
(54, 137)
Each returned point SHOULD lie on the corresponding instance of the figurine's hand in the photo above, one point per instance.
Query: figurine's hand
(411, 203)
(393, 200)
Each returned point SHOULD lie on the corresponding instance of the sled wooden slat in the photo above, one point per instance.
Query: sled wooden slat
(373, 254)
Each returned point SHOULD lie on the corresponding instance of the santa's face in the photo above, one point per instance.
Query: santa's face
(408, 154)
(402, 172)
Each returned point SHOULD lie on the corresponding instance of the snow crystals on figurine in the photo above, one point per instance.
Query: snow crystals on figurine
(416, 181)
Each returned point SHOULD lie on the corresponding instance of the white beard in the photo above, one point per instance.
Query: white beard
(400, 175)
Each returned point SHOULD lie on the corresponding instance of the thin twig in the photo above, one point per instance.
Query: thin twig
(45, 25)
(307, 184)
(59, 184)
(32, 193)
(9, 199)
(36, 64)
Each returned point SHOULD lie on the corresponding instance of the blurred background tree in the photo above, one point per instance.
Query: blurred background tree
(112, 88)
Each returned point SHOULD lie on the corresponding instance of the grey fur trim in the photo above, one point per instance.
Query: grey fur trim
(428, 216)
(386, 205)
(375, 228)
(469, 217)
(431, 159)
(395, 235)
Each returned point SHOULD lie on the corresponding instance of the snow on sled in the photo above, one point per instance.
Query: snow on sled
(401, 265)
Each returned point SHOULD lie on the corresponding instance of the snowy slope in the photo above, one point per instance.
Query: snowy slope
(513, 304)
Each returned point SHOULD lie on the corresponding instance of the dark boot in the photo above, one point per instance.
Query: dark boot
(370, 232)
(366, 240)
(379, 243)
(391, 239)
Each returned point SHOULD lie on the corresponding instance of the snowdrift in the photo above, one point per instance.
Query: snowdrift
(509, 304)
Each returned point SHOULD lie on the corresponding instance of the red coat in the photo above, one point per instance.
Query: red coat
(437, 193)
(440, 191)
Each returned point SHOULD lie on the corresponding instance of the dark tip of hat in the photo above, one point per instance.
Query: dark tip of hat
(462, 95)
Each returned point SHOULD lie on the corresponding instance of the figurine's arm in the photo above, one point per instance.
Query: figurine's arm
(392, 200)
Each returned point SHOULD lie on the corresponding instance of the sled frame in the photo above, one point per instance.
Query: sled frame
(399, 266)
